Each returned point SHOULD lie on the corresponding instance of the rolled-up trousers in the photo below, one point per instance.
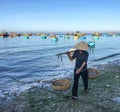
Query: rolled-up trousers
(84, 75)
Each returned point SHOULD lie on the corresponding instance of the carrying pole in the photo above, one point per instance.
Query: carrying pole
(71, 50)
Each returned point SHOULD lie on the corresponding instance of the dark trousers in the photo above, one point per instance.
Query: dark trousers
(84, 76)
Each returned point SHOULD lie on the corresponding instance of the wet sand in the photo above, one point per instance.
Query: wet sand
(101, 97)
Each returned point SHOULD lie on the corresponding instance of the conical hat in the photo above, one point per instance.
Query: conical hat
(81, 46)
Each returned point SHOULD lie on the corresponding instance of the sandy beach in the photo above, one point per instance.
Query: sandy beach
(103, 95)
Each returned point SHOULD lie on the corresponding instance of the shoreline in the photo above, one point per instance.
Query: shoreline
(102, 91)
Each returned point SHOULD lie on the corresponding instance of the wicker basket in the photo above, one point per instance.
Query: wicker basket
(92, 73)
(60, 85)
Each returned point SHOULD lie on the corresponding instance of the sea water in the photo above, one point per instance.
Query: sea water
(25, 63)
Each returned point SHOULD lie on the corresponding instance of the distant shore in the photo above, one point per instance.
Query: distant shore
(103, 90)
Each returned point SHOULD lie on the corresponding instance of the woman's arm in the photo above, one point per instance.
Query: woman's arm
(79, 70)
(69, 55)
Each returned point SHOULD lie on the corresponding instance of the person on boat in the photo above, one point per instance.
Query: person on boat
(91, 45)
(81, 56)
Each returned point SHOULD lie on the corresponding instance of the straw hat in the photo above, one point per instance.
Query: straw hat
(81, 46)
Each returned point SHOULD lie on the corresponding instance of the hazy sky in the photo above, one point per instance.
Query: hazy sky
(60, 15)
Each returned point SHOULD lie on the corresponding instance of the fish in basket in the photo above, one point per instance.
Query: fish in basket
(92, 73)
(61, 84)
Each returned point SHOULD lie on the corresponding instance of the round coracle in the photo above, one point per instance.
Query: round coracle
(92, 73)
(61, 84)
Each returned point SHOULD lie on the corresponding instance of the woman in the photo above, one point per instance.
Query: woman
(81, 56)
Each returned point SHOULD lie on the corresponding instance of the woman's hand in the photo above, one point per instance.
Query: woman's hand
(78, 71)
(69, 55)
(68, 52)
